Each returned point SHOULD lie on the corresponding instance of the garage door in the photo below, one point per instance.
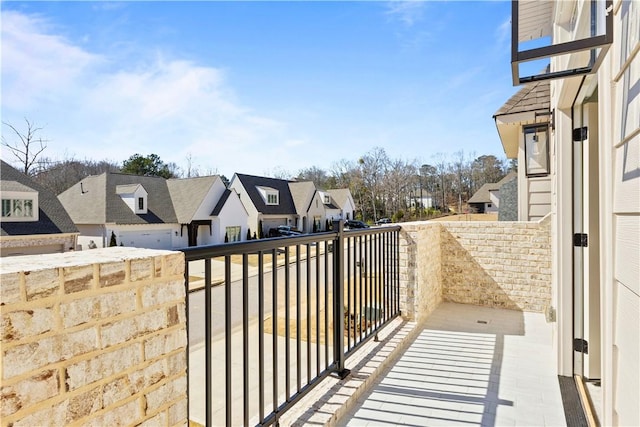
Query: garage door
(160, 239)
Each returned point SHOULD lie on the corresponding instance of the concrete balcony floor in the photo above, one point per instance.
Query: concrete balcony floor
(468, 366)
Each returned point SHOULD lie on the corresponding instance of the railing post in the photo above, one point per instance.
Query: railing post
(338, 300)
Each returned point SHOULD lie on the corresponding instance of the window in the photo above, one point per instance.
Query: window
(488, 205)
(17, 208)
(272, 198)
(232, 234)
(327, 199)
(141, 203)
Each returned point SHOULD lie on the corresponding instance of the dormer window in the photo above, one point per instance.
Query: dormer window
(271, 196)
(327, 199)
(135, 196)
(19, 202)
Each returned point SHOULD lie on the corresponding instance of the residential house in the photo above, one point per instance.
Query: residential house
(267, 201)
(153, 212)
(309, 205)
(342, 198)
(33, 220)
(332, 209)
(487, 198)
(583, 149)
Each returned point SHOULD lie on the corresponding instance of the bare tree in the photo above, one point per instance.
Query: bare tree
(28, 147)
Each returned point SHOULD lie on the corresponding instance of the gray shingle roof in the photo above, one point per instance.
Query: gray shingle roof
(532, 97)
(251, 184)
(340, 196)
(483, 194)
(94, 200)
(187, 194)
(52, 217)
(302, 193)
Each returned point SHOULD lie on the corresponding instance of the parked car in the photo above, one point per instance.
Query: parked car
(283, 231)
(352, 223)
(383, 221)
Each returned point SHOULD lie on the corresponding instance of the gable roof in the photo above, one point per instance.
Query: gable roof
(483, 195)
(187, 194)
(302, 193)
(341, 196)
(52, 217)
(95, 199)
(251, 184)
(223, 199)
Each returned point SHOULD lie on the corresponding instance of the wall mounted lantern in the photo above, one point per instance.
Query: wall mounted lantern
(536, 150)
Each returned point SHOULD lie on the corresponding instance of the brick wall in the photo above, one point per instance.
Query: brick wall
(494, 263)
(94, 338)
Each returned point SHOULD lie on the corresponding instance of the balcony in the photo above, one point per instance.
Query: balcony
(442, 323)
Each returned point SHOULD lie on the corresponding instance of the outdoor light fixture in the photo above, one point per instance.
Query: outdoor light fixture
(536, 150)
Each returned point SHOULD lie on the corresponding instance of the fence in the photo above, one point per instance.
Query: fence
(269, 319)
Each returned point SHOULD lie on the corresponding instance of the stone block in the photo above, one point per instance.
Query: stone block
(127, 414)
(141, 269)
(25, 323)
(55, 415)
(132, 327)
(79, 342)
(111, 274)
(157, 294)
(78, 279)
(29, 392)
(159, 419)
(84, 404)
(103, 365)
(174, 265)
(167, 392)
(42, 283)
(166, 343)
(31, 356)
(178, 413)
(10, 288)
(116, 390)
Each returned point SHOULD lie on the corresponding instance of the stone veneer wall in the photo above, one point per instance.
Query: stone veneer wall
(420, 269)
(493, 263)
(94, 338)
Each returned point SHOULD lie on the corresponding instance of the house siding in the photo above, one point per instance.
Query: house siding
(625, 143)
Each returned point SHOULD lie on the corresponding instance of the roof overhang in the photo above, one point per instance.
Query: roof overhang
(510, 128)
(532, 22)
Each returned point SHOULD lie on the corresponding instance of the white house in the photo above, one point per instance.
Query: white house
(151, 212)
(267, 201)
(33, 220)
(582, 150)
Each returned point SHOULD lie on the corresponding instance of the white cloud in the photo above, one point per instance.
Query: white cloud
(92, 110)
(407, 12)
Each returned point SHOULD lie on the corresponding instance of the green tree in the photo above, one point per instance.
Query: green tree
(112, 241)
(150, 165)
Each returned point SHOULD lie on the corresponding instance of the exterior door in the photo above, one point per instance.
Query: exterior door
(586, 265)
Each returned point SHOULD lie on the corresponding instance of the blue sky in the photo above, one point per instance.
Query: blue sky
(257, 87)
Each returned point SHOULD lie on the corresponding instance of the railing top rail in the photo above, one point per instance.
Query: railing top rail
(267, 244)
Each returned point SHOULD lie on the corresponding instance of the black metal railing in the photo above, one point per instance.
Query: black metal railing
(269, 319)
